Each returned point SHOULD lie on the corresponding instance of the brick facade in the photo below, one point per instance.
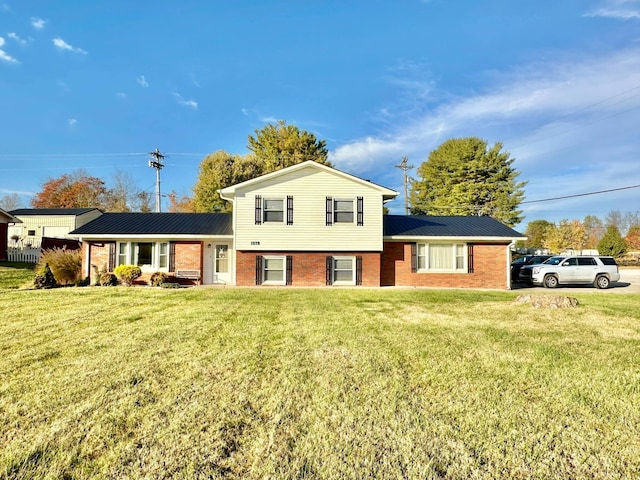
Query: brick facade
(188, 256)
(309, 268)
(489, 262)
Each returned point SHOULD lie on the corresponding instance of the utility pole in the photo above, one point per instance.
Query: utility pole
(404, 167)
(156, 163)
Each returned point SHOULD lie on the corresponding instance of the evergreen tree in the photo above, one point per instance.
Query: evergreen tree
(465, 177)
(612, 243)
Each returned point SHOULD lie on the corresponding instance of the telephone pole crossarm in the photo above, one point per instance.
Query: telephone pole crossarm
(156, 162)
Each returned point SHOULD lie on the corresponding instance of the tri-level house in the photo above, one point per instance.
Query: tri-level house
(305, 225)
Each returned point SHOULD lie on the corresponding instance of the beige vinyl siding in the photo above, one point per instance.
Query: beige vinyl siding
(309, 188)
(40, 223)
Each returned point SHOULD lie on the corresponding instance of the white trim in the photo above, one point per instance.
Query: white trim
(229, 193)
(353, 270)
(284, 270)
(454, 247)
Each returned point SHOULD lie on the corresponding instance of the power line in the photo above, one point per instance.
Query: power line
(581, 194)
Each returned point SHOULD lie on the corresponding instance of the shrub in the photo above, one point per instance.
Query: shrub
(612, 243)
(44, 278)
(127, 273)
(66, 265)
(158, 279)
(107, 279)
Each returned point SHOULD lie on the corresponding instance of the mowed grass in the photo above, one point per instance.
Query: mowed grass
(316, 383)
(15, 274)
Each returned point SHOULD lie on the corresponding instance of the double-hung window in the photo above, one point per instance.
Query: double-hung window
(344, 270)
(343, 211)
(442, 257)
(273, 210)
(274, 270)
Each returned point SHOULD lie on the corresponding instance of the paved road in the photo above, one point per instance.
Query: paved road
(629, 283)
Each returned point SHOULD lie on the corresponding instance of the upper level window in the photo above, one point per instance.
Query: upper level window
(441, 257)
(273, 210)
(343, 211)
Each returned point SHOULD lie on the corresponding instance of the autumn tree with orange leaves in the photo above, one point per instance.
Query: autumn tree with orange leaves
(75, 190)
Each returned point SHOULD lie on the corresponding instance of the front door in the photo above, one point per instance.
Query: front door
(221, 264)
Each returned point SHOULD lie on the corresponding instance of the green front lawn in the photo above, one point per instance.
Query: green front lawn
(15, 274)
(316, 383)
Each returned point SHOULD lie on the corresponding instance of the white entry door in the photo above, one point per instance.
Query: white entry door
(221, 264)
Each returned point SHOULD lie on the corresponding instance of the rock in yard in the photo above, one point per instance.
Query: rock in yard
(548, 301)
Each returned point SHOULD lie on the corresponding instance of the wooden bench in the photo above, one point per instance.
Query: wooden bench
(189, 275)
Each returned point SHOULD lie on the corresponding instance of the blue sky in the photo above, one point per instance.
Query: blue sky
(96, 85)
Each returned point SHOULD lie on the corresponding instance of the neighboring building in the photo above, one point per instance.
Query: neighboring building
(5, 219)
(38, 223)
(307, 225)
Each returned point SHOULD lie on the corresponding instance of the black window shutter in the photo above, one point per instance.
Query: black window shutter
(172, 256)
(258, 269)
(289, 270)
(414, 257)
(358, 270)
(470, 258)
(258, 210)
(289, 210)
(112, 256)
(329, 269)
(360, 206)
(329, 211)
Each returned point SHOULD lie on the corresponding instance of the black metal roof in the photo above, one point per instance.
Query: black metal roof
(51, 211)
(158, 224)
(449, 226)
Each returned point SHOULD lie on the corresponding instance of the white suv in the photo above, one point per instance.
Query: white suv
(599, 271)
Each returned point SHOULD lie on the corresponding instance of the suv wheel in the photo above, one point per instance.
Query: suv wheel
(601, 281)
(550, 281)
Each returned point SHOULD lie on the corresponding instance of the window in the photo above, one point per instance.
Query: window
(123, 257)
(31, 233)
(144, 254)
(147, 255)
(222, 259)
(344, 270)
(343, 211)
(163, 257)
(445, 257)
(273, 270)
(273, 210)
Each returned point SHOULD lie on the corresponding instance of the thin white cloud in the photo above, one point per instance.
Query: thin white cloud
(564, 120)
(38, 23)
(4, 55)
(121, 95)
(245, 112)
(186, 103)
(14, 36)
(617, 9)
(62, 45)
(72, 122)
(4, 7)
(142, 81)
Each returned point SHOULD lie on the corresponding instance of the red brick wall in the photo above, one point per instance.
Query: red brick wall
(489, 262)
(188, 256)
(309, 268)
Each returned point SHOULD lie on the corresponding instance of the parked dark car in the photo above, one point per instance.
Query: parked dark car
(516, 265)
(526, 270)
